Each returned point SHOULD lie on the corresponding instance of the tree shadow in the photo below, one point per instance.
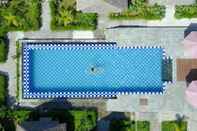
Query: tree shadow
(61, 111)
(113, 117)
(192, 76)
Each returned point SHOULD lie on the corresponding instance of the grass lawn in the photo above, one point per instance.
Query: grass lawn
(126, 125)
(174, 126)
(3, 84)
(66, 17)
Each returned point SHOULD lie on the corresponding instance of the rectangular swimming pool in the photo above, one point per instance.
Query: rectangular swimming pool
(60, 70)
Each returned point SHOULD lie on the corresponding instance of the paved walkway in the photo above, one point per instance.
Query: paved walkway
(46, 16)
(171, 2)
(9, 68)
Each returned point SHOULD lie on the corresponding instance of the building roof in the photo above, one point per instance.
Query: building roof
(44, 124)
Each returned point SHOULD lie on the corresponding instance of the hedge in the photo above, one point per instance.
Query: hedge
(174, 126)
(3, 86)
(82, 120)
(3, 50)
(127, 125)
(139, 9)
(186, 11)
(65, 17)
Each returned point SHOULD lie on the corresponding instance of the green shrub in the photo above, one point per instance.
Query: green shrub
(3, 50)
(186, 11)
(65, 17)
(9, 118)
(3, 86)
(78, 120)
(20, 15)
(174, 126)
(155, 12)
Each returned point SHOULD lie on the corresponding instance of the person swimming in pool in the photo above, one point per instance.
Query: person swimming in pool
(96, 70)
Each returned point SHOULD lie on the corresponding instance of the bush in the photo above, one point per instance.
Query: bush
(9, 118)
(65, 17)
(186, 11)
(3, 84)
(3, 50)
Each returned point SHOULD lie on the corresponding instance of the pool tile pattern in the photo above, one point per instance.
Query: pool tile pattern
(31, 91)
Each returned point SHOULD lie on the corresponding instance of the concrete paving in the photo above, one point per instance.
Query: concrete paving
(171, 2)
(166, 106)
(46, 16)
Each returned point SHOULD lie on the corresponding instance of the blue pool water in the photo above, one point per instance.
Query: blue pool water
(89, 69)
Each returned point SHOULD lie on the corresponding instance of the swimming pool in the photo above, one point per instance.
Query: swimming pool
(61, 70)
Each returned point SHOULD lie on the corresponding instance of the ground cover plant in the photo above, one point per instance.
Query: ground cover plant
(20, 15)
(139, 9)
(174, 126)
(66, 17)
(127, 125)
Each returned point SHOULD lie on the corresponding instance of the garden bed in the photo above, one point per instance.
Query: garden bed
(66, 17)
(81, 120)
(174, 126)
(127, 125)
(139, 9)
(76, 120)
(21, 15)
(186, 11)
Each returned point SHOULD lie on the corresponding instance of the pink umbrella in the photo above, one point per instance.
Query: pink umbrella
(190, 45)
(191, 94)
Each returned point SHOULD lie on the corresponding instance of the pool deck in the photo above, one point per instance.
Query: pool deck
(166, 106)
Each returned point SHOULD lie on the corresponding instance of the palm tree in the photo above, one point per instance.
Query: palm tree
(66, 17)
